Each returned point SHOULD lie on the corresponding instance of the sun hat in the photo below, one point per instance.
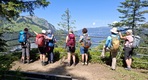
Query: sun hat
(114, 30)
(129, 31)
(48, 31)
(44, 31)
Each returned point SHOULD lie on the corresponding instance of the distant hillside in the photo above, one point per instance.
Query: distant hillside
(32, 22)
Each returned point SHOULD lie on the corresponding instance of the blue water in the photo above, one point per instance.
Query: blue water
(94, 33)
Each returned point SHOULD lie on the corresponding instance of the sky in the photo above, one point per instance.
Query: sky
(86, 13)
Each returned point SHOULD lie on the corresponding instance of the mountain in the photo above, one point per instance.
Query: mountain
(32, 22)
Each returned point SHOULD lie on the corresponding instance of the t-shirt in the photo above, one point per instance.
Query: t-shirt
(128, 41)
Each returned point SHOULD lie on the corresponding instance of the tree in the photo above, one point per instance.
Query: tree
(12, 8)
(66, 22)
(144, 25)
(132, 12)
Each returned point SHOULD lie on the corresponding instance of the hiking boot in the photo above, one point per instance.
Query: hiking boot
(68, 64)
(43, 63)
(83, 63)
(128, 68)
(86, 63)
(28, 61)
(74, 64)
(51, 62)
(23, 61)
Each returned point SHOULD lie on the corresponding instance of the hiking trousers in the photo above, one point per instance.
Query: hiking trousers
(114, 60)
(50, 54)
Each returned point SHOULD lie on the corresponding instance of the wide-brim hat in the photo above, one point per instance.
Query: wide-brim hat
(114, 30)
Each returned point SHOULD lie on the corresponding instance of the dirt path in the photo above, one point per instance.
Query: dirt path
(80, 72)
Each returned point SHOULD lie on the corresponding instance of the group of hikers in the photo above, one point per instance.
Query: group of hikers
(46, 40)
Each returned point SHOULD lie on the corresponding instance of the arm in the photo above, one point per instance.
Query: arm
(66, 39)
(108, 40)
(81, 38)
(122, 37)
(35, 33)
(50, 38)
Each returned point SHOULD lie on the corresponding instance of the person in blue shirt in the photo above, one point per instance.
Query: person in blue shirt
(108, 45)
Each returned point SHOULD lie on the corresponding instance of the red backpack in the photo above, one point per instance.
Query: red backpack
(40, 40)
(71, 40)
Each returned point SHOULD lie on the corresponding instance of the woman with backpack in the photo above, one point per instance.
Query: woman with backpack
(112, 45)
(128, 50)
(40, 41)
(85, 44)
(70, 43)
(50, 46)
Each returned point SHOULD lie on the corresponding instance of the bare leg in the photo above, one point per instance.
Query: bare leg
(82, 58)
(44, 57)
(86, 58)
(41, 58)
(69, 57)
(74, 58)
(103, 52)
(130, 62)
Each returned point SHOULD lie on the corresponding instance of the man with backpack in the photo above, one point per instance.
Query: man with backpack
(50, 46)
(85, 44)
(112, 45)
(70, 43)
(25, 44)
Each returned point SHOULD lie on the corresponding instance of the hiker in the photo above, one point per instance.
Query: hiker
(40, 41)
(25, 46)
(70, 43)
(85, 44)
(50, 46)
(128, 50)
(112, 45)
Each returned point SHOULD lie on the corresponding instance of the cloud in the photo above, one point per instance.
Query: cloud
(94, 23)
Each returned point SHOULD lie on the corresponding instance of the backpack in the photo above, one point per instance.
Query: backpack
(115, 43)
(51, 42)
(40, 40)
(22, 37)
(71, 40)
(136, 41)
(85, 42)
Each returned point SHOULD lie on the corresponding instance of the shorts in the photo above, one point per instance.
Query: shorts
(41, 50)
(71, 49)
(128, 53)
(83, 50)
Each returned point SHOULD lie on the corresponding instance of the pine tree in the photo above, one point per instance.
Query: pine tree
(66, 22)
(12, 8)
(132, 12)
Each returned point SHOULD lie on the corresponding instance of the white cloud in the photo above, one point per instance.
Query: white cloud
(94, 23)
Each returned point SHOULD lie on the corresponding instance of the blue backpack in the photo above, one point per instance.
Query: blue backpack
(22, 37)
(51, 42)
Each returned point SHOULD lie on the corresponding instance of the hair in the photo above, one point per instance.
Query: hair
(129, 31)
(71, 31)
(26, 29)
(84, 30)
